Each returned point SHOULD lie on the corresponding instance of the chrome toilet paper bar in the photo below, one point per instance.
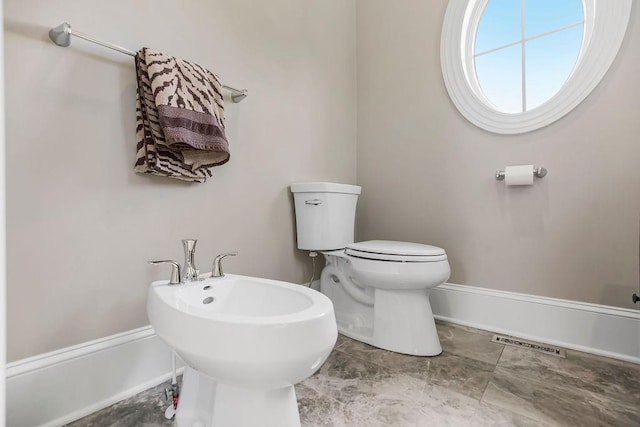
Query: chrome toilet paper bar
(537, 172)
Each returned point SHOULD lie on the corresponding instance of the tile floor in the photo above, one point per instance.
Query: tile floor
(474, 382)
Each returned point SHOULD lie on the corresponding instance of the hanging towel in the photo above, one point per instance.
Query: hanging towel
(180, 118)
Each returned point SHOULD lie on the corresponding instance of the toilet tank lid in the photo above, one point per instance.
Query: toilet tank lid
(324, 187)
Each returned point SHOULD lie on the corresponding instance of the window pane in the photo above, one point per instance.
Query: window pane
(547, 15)
(499, 25)
(500, 76)
(549, 62)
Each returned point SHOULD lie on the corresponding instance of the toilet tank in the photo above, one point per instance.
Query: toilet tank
(325, 214)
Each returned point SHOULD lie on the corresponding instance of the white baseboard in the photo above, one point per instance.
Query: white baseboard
(597, 329)
(55, 388)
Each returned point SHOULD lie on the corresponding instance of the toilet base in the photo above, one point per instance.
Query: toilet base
(384, 304)
(207, 403)
(402, 323)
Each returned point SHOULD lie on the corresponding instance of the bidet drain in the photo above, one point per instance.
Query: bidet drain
(542, 348)
(207, 300)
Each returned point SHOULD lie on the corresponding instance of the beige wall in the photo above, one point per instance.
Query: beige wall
(81, 225)
(427, 173)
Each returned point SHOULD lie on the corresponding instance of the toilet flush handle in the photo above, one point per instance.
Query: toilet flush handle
(314, 202)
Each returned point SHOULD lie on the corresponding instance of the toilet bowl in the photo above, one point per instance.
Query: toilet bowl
(379, 288)
(381, 298)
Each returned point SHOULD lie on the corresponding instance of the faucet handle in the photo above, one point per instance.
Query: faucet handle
(175, 270)
(216, 270)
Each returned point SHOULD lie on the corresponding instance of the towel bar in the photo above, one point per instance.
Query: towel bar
(61, 35)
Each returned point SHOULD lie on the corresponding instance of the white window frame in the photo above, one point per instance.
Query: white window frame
(605, 26)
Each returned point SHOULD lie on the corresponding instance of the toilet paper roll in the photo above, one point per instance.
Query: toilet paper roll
(518, 175)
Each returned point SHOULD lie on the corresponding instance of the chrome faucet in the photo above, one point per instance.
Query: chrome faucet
(190, 273)
(216, 270)
(175, 270)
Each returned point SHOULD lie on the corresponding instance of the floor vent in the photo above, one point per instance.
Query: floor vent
(543, 348)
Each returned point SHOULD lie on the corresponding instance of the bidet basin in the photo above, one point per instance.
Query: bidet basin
(245, 330)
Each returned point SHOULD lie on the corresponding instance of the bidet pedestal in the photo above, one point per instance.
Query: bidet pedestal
(403, 322)
(207, 403)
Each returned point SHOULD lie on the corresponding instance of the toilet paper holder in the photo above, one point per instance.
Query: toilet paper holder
(537, 172)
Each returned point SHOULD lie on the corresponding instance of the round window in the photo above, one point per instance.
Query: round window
(512, 66)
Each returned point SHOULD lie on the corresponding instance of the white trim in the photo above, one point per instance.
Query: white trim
(67, 354)
(64, 385)
(603, 35)
(603, 330)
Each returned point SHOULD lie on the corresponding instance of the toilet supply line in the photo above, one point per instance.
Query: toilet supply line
(313, 256)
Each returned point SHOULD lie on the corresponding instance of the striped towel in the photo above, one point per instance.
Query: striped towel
(180, 118)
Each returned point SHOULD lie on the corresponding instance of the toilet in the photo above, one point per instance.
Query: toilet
(379, 288)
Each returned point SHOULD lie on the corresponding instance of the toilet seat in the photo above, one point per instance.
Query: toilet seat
(387, 250)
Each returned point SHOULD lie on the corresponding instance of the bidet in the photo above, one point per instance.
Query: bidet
(246, 342)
